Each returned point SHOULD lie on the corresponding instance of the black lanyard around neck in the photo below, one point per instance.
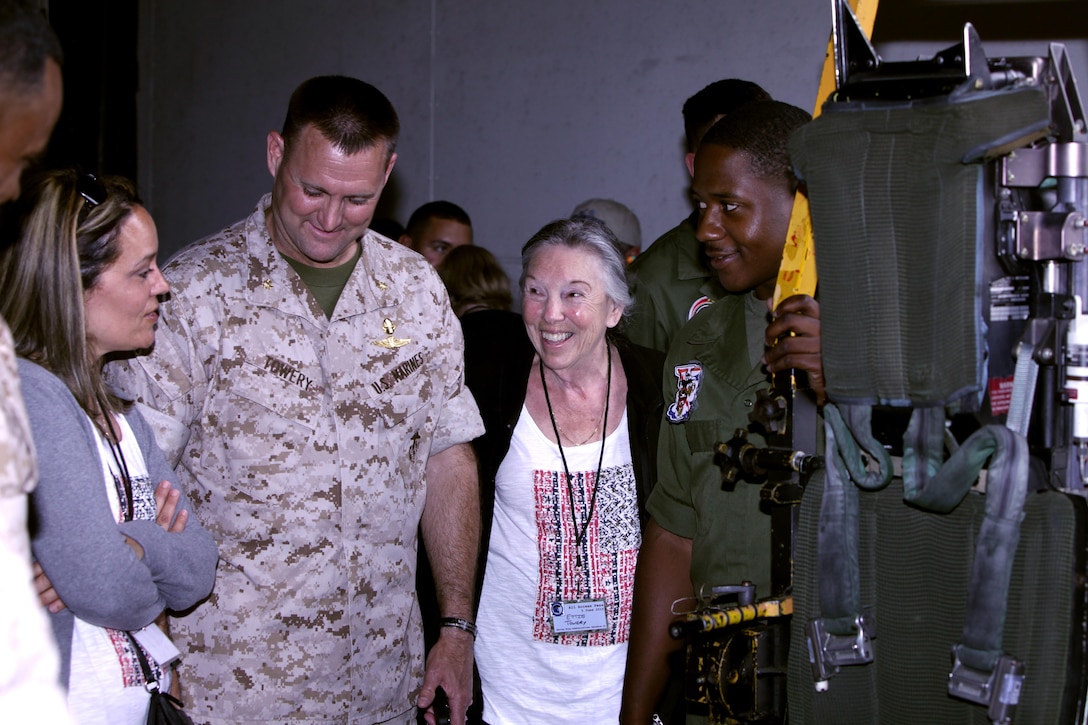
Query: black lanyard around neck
(113, 440)
(579, 536)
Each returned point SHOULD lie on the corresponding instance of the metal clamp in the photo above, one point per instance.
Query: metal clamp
(828, 652)
(745, 593)
(998, 691)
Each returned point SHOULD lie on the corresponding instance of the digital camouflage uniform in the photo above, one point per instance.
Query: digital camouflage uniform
(303, 443)
(671, 282)
(29, 691)
(730, 536)
(18, 468)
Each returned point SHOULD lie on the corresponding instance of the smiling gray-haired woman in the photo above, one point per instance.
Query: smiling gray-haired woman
(571, 452)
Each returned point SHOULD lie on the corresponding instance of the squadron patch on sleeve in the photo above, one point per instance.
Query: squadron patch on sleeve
(689, 376)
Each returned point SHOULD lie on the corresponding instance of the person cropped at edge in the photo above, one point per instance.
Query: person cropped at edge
(113, 535)
(310, 374)
(572, 460)
(671, 279)
(30, 102)
(698, 535)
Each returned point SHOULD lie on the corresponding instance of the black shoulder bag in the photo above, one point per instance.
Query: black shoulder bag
(164, 708)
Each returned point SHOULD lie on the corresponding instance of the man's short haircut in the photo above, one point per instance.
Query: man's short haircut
(26, 41)
(761, 130)
(435, 210)
(720, 98)
(350, 113)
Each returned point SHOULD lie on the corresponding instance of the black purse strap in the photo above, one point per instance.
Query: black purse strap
(149, 678)
(151, 684)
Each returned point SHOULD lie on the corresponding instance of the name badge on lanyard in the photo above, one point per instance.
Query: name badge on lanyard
(577, 617)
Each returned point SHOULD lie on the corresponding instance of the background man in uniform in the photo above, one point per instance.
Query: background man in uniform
(699, 536)
(618, 218)
(671, 279)
(309, 376)
(30, 101)
(435, 228)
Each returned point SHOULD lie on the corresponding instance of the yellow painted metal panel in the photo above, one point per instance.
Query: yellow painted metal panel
(797, 274)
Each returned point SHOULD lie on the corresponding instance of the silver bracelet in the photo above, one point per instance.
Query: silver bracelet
(458, 623)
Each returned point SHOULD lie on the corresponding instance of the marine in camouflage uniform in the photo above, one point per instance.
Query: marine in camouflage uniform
(31, 94)
(28, 667)
(303, 442)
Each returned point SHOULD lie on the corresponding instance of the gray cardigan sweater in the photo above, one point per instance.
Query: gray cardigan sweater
(74, 534)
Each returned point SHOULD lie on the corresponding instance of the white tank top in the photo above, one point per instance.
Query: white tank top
(532, 562)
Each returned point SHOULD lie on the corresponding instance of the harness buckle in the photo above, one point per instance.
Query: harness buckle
(998, 691)
(828, 652)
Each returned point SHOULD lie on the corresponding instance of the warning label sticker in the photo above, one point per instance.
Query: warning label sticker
(1000, 395)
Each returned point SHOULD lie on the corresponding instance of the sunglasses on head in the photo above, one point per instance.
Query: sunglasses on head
(92, 191)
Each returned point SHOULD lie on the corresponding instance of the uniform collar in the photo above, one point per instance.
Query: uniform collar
(691, 263)
(372, 283)
(272, 282)
(689, 254)
(718, 339)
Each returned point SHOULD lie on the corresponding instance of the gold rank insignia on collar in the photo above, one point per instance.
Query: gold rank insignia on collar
(382, 286)
(390, 342)
(267, 284)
